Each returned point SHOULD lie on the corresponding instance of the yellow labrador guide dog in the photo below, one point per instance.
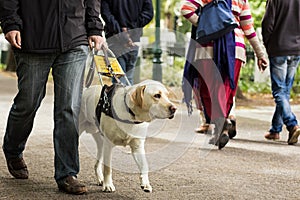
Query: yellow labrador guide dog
(120, 115)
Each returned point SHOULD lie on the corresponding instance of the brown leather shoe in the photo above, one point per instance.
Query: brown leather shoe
(203, 129)
(224, 137)
(71, 185)
(221, 139)
(272, 136)
(293, 135)
(17, 168)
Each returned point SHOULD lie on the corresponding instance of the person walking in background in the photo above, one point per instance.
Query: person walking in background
(124, 22)
(218, 81)
(49, 34)
(281, 37)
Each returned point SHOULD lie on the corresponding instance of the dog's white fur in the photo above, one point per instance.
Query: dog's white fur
(148, 100)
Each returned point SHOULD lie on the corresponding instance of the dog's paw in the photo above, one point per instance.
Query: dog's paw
(146, 188)
(99, 179)
(100, 183)
(108, 188)
(98, 172)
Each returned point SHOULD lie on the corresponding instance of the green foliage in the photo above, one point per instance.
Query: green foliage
(296, 86)
(257, 11)
(247, 84)
(172, 75)
(2, 66)
(246, 81)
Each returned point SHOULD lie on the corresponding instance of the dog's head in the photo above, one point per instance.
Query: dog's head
(149, 100)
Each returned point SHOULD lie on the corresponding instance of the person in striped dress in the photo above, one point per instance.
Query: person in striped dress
(215, 86)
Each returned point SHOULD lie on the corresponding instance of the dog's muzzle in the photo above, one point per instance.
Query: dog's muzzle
(172, 110)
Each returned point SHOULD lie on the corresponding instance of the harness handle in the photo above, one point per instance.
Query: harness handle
(91, 72)
(106, 52)
(107, 62)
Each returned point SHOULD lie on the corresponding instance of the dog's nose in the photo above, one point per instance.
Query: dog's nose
(172, 109)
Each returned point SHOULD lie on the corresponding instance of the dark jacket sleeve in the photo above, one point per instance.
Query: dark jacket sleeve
(94, 25)
(108, 17)
(9, 18)
(268, 22)
(146, 14)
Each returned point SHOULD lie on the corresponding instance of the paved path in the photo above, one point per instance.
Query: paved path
(182, 164)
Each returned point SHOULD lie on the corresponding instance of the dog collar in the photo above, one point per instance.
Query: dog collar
(105, 105)
(127, 108)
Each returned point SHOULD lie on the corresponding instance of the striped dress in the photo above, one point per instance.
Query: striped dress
(241, 11)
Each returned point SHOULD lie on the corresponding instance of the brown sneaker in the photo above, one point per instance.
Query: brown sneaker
(203, 129)
(272, 136)
(71, 185)
(17, 168)
(293, 135)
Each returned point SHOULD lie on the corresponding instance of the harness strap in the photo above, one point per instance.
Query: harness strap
(105, 105)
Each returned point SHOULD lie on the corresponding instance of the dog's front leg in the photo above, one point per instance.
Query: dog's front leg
(108, 185)
(138, 153)
(99, 163)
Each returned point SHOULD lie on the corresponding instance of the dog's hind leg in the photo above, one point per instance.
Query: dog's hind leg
(99, 163)
(138, 153)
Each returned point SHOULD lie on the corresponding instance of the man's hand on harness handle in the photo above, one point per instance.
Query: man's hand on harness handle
(97, 42)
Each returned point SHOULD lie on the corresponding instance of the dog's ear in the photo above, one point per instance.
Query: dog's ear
(138, 96)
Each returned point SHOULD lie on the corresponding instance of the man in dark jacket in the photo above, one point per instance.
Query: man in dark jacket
(49, 34)
(124, 22)
(281, 36)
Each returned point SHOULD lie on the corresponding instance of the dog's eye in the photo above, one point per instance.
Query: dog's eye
(157, 96)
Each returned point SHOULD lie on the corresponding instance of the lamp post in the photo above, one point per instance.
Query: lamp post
(157, 70)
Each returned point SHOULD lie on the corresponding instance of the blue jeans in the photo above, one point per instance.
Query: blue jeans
(127, 62)
(283, 70)
(33, 71)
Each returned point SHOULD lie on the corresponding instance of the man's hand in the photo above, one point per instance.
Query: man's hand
(14, 38)
(262, 64)
(96, 41)
(130, 43)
